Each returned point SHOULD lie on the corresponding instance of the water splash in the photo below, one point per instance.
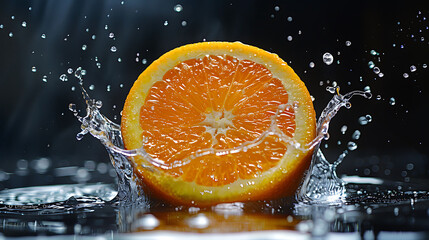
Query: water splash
(320, 185)
(67, 198)
(109, 133)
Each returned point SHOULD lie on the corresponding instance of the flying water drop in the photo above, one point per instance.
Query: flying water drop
(328, 59)
(351, 146)
(178, 8)
(63, 78)
(356, 135)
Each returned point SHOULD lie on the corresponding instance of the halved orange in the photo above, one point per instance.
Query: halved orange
(196, 109)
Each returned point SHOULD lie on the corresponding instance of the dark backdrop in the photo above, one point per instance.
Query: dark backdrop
(36, 123)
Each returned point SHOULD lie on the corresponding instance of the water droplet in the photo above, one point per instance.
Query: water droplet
(405, 75)
(98, 65)
(276, 8)
(378, 97)
(344, 129)
(1, 26)
(184, 23)
(108, 87)
(392, 101)
(119, 60)
(371, 64)
(413, 68)
(24, 24)
(63, 78)
(113, 49)
(396, 211)
(79, 73)
(144, 61)
(178, 8)
(98, 104)
(373, 52)
(331, 89)
(111, 35)
(70, 70)
(147, 222)
(328, 58)
(356, 135)
(348, 43)
(311, 65)
(367, 89)
(424, 65)
(122, 2)
(368, 118)
(93, 37)
(351, 146)
(22, 164)
(381, 74)
(376, 70)
(289, 38)
(34, 69)
(91, 87)
(200, 221)
(43, 36)
(84, 47)
(12, 17)
(369, 210)
(11, 34)
(45, 78)
(165, 23)
(363, 120)
(289, 19)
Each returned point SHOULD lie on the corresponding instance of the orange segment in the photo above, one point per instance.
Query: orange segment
(203, 109)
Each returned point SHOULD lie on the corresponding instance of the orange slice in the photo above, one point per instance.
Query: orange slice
(202, 113)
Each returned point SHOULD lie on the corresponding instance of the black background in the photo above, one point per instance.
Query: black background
(35, 121)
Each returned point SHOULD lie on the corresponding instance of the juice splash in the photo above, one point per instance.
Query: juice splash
(320, 185)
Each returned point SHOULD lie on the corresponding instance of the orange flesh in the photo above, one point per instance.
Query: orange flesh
(216, 102)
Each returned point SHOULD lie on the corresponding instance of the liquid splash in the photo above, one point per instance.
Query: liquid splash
(321, 184)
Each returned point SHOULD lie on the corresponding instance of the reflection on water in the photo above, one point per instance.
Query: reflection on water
(372, 207)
